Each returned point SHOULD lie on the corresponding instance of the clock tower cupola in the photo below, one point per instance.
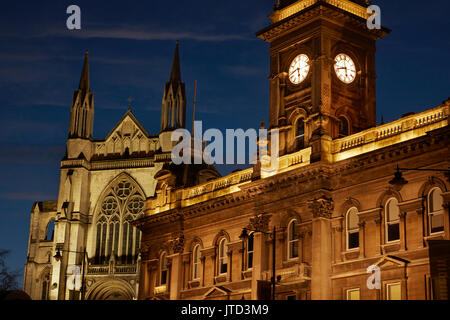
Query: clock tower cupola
(322, 72)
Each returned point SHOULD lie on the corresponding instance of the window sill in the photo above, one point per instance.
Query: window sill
(220, 278)
(391, 247)
(351, 254)
(247, 274)
(193, 284)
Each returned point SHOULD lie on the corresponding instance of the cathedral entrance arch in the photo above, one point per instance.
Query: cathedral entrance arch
(111, 289)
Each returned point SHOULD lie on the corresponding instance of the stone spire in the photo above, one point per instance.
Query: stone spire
(84, 80)
(173, 113)
(82, 110)
(175, 74)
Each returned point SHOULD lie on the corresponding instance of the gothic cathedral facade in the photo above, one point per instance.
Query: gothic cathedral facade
(103, 187)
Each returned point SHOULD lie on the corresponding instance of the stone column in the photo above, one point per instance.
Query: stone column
(402, 227)
(258, 262)
(322, 209)
(337, 240)
(362, 239)
(175, 276)
(406, 207)
(153, 278)
(176, 268)
(235, 261)
(446, 198)
(378, 226)
(209, 266)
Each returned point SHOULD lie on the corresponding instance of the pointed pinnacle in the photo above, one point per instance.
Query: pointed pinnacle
(84, 80)
(175, 74)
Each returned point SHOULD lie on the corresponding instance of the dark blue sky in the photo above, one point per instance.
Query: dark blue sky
(131, 45)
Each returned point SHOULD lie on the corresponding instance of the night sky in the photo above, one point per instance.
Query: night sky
(131, 44)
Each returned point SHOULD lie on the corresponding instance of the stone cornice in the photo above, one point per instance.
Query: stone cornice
(370, 215)
(208, 252)
(411, 205)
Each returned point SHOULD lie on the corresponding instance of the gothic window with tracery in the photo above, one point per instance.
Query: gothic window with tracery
(123, 203)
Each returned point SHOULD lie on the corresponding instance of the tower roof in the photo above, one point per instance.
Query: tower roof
(280, 4)
(84, 81)
(175, 74)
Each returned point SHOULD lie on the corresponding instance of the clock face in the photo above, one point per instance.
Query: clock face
(345, 68)
(299, 69)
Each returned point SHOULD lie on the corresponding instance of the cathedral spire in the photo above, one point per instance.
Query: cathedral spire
(173, 111)
(175, 74)
(84, 80)
(82, 109)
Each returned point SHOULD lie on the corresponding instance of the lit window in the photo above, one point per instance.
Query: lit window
(123, 203)
(292, 240)
(394, 291)
(196, 263)
(353, 294)
(223, 258)
(163, 270)
(392, 213)
(300, 133)
(435, 210)
(352, 229)
(250, 248)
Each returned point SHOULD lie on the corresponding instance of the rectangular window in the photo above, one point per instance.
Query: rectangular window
(353, 294)
(437, 222)
(393, 230)
(353, 240)
(394, 291)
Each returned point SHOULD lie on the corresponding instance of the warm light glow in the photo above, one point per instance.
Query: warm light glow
(299, 69)
(345, 68)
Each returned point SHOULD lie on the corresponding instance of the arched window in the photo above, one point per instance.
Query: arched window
(343, 127)
(50, 230)
(300, 133)
(223, 257)
(435, 210)
(392, 213)
(250, 250)
(196, 263)
(163, 270)
(292, 240)
(352, 222)
(45, 285)
(123, 203)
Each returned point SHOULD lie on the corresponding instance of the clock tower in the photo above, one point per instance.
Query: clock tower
(322, 72)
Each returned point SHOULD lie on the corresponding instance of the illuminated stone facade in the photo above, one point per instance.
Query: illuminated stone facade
(331, 204)
(103, 187)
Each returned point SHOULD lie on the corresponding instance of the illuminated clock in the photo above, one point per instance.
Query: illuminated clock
(299, 69)
(345, 68)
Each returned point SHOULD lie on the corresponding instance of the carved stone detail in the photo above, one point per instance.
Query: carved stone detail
(177, 243)
(259, 223)
(321, 207)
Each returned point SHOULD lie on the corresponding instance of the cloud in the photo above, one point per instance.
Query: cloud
(141, 34)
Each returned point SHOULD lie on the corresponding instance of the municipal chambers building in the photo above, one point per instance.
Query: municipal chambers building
(137, 226)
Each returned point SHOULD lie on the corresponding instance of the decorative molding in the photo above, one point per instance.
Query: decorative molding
(177, 243)
(259, 223)
(321, 207)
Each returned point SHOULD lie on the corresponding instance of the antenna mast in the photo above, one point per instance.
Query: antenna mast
(193, 112)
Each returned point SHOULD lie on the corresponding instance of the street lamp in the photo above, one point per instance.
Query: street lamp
(244, 235)
(58, 257)
(398, 182)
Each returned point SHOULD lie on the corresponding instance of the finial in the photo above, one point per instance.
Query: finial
(86, 52)
(263, 126)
